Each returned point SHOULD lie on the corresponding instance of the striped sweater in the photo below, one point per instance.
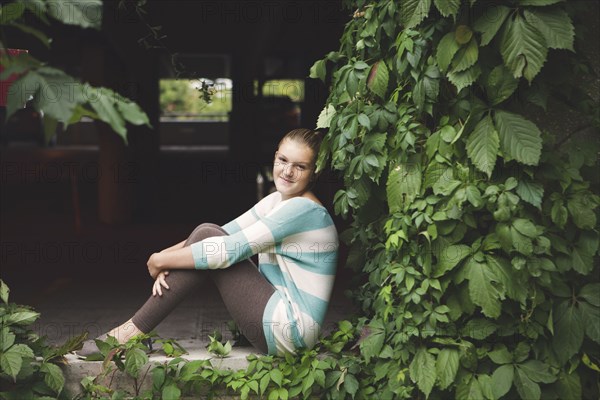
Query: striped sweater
(296, 242)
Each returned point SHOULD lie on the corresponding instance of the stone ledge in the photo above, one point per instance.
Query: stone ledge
(76, 369)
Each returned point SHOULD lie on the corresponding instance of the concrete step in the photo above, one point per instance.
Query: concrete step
(77, 369)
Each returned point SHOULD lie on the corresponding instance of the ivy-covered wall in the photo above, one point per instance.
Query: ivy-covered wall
(473, 203)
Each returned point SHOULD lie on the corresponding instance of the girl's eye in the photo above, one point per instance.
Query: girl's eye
(301, 167)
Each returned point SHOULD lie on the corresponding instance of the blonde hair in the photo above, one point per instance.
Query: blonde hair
(312, 140)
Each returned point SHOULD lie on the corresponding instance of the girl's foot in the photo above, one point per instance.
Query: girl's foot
(122, 333)
(125, 331)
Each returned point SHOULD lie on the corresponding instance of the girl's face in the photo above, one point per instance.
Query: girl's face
(292, 169)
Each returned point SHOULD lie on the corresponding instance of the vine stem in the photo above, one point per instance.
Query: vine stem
(142, 380)
(570, 135)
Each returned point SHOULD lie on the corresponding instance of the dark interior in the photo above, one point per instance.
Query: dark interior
(86, 207)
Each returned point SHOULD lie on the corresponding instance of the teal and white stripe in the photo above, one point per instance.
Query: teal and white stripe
(297, 245)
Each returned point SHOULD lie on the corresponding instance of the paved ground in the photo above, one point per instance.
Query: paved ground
(69, 307)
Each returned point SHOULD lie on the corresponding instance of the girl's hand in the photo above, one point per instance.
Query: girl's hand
(159, 283)
(154, 265)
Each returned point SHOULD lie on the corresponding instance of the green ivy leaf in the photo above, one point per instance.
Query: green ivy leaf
(559, 214)
(485, 384)
(519, 138)
(466, 57)
(135, 359)
(531, 193)
(592, 314)
(131, 112)
(364, 121)
(463, 34)
(379, 78)
(568, 330)
(483, 144)
(53, 91)
(351, 385)
(422, 370)
(465, 78)
(264, 383)
(490, 23)
(53, 376)
(276, 376)
(171, 391)
(21, 318)
(446, 367)
(7, 339)
(523, 48)
(24, 350)
(159, 376)
(537, 371)
(4, 291)
(189, 369)
(500, 355)
(372, 344)
(514, 285)
(83, 13)
(502, 380)
(412, 12)
(469, 389)
(11, 362)
(450, 257)
(591, 294)
(525, 227)
(581, 261)
(403, 185)
(526, 388)
(10, 12)
(581, 207)
(479, 328)
(555, 25)
(318, 70)
(446, 50)
(484, 288)
(500, 85)
(447, 7)
(325, 117)
(568, 386)
(102, 101)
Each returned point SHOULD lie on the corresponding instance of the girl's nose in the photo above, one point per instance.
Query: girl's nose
(288, 170)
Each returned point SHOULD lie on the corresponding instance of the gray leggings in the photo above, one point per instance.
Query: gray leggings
(244, 290)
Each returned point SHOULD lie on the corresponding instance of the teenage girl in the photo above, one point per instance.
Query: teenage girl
(278, 306)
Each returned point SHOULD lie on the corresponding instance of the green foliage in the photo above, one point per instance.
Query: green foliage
(475, 230)
(216, 347)
(306, 375)
(62, 98)
(27, 364)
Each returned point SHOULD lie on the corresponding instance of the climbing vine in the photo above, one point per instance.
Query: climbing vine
(475, 228)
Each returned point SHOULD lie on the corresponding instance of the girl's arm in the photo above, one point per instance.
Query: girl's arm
(174, 247)
(180, 258)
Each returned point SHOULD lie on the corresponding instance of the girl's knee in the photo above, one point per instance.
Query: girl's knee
(204, 231)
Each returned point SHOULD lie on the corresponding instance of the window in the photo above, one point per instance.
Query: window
(181, 100)
(186, 117)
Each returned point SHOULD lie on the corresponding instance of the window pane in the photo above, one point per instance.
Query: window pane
(292, 88)
(182, 99)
